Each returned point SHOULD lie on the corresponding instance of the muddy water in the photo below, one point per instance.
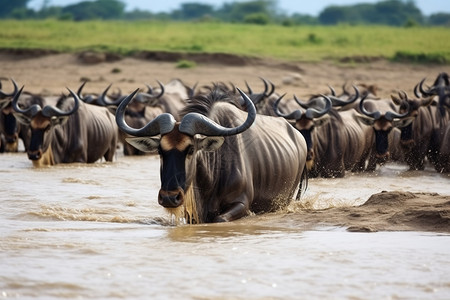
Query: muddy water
(96, 231)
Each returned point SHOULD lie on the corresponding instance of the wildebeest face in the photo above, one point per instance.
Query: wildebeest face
(175, 149)
(40, 137)
(10, 128)
(306, 126)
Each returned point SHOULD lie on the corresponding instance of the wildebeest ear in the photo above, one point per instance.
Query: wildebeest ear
(209, 143)
(22, 118)
(321, 121)
(144, 144)
(59, 120)
(402, 122)
(363, 119)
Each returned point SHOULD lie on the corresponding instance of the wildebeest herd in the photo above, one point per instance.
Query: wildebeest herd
(225, 152)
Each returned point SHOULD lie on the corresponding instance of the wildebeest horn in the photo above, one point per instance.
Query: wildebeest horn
(266, 86)
(53, 111)
(161, 86)
(430, 92)
(4, 95)
(333, 92)
(339, 102)
(390, 115)
(164, 123)
(195, 123)
(104, 101)
(312, 113)
(296, 114)
(28, 112)
(249, 89)
(416, 91)
(374, 115)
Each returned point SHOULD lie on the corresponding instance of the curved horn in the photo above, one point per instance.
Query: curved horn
(416, 91)
(161, 86)
(249, 89)
(266, 87)
(272, 89)
(312, 113)
(89, 99)
(53, 111)
(390, 115)
(30, 111)
(104, 101)
(374, 115)
(339, 102)
(4, 95)
(162, 124)
(304, 105)
(195, 123)
(333, 92)
(430, 92)
(296, 114)
(148, 97)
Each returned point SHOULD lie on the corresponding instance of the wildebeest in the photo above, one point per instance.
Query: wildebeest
(68, 132)
(10, 128)
(336, 141)
(382, 117)
(440, 116)
(220, 162)
(415, 137)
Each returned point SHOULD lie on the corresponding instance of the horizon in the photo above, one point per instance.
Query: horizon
(289, 7)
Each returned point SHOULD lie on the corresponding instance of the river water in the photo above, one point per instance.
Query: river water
(96, 232)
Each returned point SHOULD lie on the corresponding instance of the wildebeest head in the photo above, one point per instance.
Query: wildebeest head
(9, 125)
(41, 121)
(259, 98)
(382, 124)
(178, 142)
(440, 88)
(411, 106)
(314, 115)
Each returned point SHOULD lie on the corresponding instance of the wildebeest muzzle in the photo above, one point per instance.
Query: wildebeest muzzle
(171, 199)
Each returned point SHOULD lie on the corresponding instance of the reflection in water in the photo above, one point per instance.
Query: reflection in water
(96, 231)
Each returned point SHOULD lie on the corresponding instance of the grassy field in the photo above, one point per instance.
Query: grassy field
(299, 43)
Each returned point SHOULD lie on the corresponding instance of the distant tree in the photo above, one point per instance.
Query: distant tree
(100, 9)
(332, 15)
(439, 19)
(138, 14)
(8, 6)
(301, 19)
(236, 11)
(388, 12)
(192, 11)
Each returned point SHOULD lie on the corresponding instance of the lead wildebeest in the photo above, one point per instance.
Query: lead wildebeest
(220, 162)
(68, 132)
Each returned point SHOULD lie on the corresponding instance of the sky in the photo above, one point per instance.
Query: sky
(310, 7)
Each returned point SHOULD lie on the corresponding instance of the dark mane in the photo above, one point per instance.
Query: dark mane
(203, 103)
(65, 102)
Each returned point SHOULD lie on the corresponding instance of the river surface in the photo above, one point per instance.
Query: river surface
(97, 232)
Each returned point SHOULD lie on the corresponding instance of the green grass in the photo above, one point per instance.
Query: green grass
(299, 43)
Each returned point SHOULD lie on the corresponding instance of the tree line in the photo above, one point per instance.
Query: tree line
(387, 12)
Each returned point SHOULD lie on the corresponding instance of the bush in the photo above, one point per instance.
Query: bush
(404, 56)
(257, 18)
(186, 64)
